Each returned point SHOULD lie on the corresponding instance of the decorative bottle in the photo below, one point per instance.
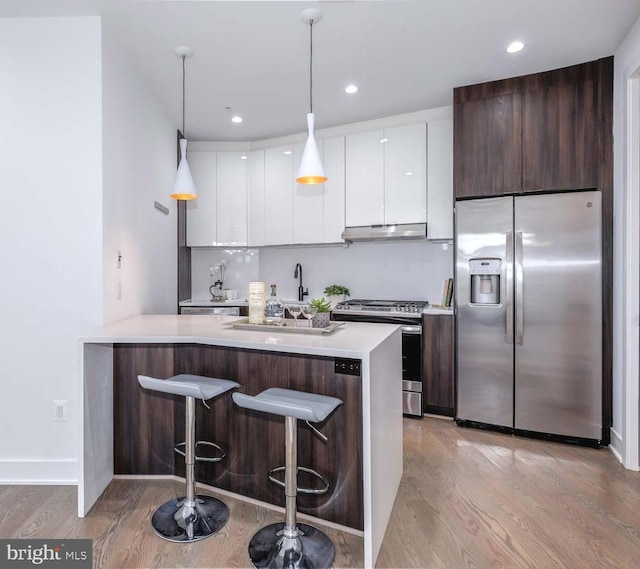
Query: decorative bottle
(256, 302)
(274, 308)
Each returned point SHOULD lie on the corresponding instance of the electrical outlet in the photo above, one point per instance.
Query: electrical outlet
(60, 410)
(347, 366)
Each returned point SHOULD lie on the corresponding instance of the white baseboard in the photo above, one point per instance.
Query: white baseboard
(616, 446)
(62, 472)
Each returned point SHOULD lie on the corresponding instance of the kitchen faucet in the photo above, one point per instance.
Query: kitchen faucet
(302, 292)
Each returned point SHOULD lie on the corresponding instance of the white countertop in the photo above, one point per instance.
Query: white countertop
(208, 302)
(353, 340)
(433, 310)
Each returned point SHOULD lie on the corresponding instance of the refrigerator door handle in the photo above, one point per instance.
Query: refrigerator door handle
(508, 325)
(519, 297)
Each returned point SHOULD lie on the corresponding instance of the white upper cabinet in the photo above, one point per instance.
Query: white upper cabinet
(405, 174)
(318, 209)
(255, 197)
(387, 176)
(440, 179)
(308, 204)
(334, 194)
(231, 210)
(218, 217)
(201, 212)
(365, 178)
(395, 175)
(278, 195)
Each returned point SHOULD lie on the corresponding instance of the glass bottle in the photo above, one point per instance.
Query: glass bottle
(274, 308)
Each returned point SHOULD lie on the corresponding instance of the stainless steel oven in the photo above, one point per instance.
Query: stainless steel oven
(407, 314)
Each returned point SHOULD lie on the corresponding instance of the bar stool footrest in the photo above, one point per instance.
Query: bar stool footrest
(179, 446)
(279, 482)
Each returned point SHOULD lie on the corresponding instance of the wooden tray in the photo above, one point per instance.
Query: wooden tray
(287, 326)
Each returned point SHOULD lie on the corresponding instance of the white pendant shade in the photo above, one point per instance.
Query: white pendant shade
(183, 187)
(311, 170)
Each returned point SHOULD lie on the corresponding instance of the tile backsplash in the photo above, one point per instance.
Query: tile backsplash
(406, 270)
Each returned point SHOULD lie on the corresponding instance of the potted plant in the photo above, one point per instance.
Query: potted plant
(336, 294)
(321, 318)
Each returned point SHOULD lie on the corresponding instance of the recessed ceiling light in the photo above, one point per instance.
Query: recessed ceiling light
(383, 140)
(351, 89)
(408, 173)
(243, 157)
(287, 151)
(236, 119)
(515, 46)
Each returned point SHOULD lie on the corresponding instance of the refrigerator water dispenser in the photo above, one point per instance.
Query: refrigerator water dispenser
(485, 280)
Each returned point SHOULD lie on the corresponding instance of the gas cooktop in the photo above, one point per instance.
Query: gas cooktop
(384, 306)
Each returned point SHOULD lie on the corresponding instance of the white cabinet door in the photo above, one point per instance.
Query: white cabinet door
(231, 213)
(278, 195)
(365, 178)
(308, 204)
(405, 174)
(201, 212)
(334, 188)
(440, 179)
(255, 197)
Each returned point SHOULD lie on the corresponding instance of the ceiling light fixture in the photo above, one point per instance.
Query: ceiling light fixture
(311, 170)
(515, 47)
(351, 89)
(183, 187)
(236, 119)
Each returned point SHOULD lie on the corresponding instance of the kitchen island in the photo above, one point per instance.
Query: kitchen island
(128, 431)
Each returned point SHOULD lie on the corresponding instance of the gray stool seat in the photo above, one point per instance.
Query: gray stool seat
(191, 517)
(289, 403)
(187, 385)
(290, 545)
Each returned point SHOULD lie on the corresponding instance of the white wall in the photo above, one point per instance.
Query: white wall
(139, 167)
(242, 267)
(407, 270)
(50, 234)
(626, 318)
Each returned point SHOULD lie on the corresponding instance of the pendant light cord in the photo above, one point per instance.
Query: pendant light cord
(183, 134)
(311, 66)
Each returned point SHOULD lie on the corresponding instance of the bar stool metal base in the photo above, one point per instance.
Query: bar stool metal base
(312, 549)
(177, 521)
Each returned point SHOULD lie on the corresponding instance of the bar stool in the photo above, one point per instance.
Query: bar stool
(290, 544)
(190, 517)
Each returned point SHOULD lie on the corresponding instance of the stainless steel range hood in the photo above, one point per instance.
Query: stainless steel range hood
(386, 232)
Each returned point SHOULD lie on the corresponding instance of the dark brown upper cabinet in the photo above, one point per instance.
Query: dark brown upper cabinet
(560, 129)
(488, 146)
(536, 133)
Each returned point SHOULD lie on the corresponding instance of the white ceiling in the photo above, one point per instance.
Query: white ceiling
(404, 55)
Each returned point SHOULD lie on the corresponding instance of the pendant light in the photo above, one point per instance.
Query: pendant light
(183, 187)
(311, 170)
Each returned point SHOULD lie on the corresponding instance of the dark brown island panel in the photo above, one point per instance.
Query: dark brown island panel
(147, 425)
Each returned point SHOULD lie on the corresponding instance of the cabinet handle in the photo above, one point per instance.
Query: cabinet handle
(508, 325)
(519, 289)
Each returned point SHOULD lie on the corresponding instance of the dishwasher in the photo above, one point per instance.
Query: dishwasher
(221, 310)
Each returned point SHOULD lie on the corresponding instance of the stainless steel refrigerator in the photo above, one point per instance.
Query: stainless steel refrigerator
(529, 314)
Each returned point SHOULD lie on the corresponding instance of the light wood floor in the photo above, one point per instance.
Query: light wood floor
(468, 499)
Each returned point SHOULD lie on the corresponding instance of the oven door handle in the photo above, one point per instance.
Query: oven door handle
(412, 329)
